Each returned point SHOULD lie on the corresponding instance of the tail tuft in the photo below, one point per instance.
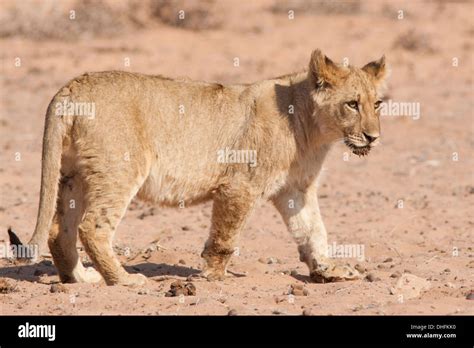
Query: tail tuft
(22, 252)
(14, 240)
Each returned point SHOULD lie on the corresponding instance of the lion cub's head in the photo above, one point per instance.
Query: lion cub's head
(347, 100)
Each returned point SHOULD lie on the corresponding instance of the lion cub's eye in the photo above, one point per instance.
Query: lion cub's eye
(353, 105)
(377, 104)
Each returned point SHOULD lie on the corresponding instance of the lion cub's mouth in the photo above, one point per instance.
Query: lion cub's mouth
(357, 149)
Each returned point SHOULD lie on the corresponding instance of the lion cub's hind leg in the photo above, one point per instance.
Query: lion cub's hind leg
(106, 204)
(63, 234)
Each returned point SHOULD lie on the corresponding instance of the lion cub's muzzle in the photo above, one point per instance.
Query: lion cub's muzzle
(360, 144)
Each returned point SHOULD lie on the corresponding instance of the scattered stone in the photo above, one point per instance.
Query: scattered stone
(179, 288)
(307, 312)
(182, 262)
(268, 260)
(232, 313)
(294, 273)
(57, 288)
(447, 270)
(372, 278)
(360, 268)
(152, 247)
(298, 290)
(388, 259)
(397, 274)
(382, 266)
(143, 292)
(7, 287)
(119, 250)
(185, 228)
(470, 296)
(357, 308)
(272, 260)
(410, 286)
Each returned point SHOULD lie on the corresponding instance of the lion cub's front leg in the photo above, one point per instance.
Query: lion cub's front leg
(300, 211)
(231, 208)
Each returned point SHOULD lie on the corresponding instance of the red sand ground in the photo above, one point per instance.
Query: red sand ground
(430, 236)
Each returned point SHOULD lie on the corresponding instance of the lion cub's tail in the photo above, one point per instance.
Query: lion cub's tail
(54, 132)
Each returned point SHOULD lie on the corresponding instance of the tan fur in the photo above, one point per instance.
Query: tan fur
(158, 138)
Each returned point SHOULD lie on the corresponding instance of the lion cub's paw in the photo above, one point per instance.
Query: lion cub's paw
(334, 273)
(209, 275)
(133, 280)
(87, 275)
(213, 276)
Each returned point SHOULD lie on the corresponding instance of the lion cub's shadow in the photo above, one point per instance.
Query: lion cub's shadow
(35, 272)
(151, 270)
(28, 272)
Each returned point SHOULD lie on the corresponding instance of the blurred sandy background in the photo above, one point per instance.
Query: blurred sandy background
(426, 163)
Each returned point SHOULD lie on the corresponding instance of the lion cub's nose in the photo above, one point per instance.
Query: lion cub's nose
(371, 138)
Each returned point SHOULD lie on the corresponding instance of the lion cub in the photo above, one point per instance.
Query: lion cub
(180, 141)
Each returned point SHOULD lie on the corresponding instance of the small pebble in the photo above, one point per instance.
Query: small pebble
(232, 313)
(298, 290)
(143, 292)
(179, 288)
(7, 286)
(57, 288)
(395, 275)
(272, 260)
(372, 278)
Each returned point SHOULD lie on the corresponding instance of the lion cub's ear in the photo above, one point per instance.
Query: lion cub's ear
(378, 70)
(324, 71)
